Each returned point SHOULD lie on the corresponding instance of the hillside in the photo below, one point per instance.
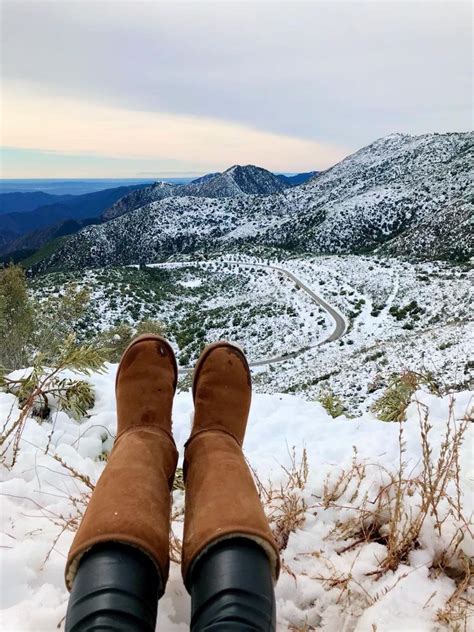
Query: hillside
(405, 194)
(395, 313)
(24, 201)
(234, 182)
(77, 207)
(400, 185)
(140, 197)
(17, 248)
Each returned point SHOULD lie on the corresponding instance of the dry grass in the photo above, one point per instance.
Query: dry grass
(284, 504)
(77, 475)
(176, 548)
(459, 608)
(178, 483)
(400, 509)
(389, 518)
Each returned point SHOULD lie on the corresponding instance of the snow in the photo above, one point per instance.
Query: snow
(403, 195)
(191, 283)
(36, 500)
(242, 298)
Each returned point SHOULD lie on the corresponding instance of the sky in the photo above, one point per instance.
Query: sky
(146, 88)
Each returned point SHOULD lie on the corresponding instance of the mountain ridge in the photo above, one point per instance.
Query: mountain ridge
(400, 186)
(238, 180)
(76, 207)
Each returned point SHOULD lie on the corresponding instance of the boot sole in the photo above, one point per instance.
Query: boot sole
(155, 338)
(205, 353)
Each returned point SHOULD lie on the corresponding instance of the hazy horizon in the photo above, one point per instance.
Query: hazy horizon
(99, 89)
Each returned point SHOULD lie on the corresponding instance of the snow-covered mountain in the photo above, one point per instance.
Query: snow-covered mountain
(139, 198)
(403, 194)
(417, 189)
(234, 182)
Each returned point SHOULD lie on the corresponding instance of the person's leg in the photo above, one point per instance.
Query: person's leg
(232, 589)
(221, 498)
(131, 503)
(116, 587)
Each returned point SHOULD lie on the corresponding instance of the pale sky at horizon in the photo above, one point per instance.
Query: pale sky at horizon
(120, 89)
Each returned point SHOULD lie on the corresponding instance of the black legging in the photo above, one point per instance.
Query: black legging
(116, 588)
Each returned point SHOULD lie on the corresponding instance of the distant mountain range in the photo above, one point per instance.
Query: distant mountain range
(59, 208)
(22, 202)
(235, 182)
(19, 248)
(28, 218)
(299, 178)
(403, 195)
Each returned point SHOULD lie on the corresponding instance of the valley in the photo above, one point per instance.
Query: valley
(311, 325)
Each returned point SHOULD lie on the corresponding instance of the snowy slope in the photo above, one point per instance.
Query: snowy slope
(398, 184)
(327, 582)
(234, 182)
(400, 316)
(408, 194)
(152, 193)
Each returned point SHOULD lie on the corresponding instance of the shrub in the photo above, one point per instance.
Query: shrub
(332, 404)
(374, 356)
(114, 341)
(16, 318)
(58, 317)
(150, 326)
(42, 386)
(391, 406)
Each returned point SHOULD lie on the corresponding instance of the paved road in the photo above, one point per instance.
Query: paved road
(339, 322)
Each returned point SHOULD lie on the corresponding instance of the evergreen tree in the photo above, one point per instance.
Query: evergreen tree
(16, 318)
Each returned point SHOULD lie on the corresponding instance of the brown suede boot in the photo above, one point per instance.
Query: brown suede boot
(131, 503)
(221, 498)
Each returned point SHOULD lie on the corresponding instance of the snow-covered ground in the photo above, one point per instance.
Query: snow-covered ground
(400, 316)
(330, 576)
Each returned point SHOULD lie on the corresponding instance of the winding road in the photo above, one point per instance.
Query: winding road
(339, 322)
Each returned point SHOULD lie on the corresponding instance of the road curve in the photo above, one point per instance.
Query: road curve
(339, 322)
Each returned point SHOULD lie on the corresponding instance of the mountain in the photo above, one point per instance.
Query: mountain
(205, 178)
(234, 182)
(76, 207)
(17, 249)
(137, 199)
(22, 202)
(298, 178)
(405, 195)
(399, 194)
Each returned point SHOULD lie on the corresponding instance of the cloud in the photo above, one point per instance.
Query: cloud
(70, 126)
(290, 85)
(338, 72)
